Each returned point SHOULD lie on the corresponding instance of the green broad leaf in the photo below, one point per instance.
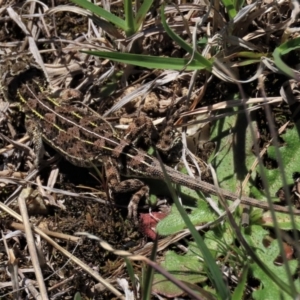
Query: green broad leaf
(283, 49)
(233, 154)
(268, 254)
(254, 235)
(152, 201)
(284, 221)
(203, 41)
(174, 223)
(214, 272)
(186, 268)
(151, 62)
(219, 239)
(290, 155)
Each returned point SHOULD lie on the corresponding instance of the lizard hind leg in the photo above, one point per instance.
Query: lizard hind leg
(139, 190)
(135, 186)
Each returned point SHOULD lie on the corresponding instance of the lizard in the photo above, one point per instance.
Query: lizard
(86, 140)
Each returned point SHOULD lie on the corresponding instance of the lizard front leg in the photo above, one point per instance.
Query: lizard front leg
(135, 186)
(167, 140)
(35, 134)
(141, 129)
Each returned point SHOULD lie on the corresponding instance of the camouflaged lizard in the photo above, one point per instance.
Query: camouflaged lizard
(85, 139)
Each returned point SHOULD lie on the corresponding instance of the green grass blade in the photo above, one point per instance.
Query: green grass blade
(140, 16)
(129, 18)
(99, 11)
(249, 54)
(282, 50)
(214, 272)
(239, 290)
(149, 274)
(238, 4)
(151, 62)
(230, 7)
(130, 271)
(247, 62)
(197, 56)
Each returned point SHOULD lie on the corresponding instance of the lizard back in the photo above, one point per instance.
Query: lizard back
(79, 134)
